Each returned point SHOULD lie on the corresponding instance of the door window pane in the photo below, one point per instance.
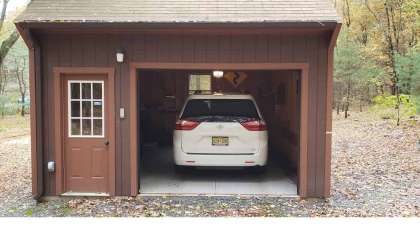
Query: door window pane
(97, 109)
(86, 108)
(97, 90)
(97, 127)
(75, 108)
(86, 127)
(86, 90)
(75, 127)
(75, 90)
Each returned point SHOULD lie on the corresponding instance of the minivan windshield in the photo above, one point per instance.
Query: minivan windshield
(212, 110)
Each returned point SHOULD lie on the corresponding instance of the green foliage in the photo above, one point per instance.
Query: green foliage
(416, 100)
(8, 105)
(352, 64)
(377, 50)
(385, 106)
(356, 76)
(408, 69)
(29, 212)
(390, 101)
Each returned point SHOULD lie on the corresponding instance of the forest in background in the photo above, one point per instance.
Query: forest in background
(14, 68)
(377, 60)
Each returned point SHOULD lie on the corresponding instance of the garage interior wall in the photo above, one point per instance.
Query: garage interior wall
(98, 50)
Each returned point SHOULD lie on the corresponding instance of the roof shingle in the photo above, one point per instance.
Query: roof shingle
(180, 11)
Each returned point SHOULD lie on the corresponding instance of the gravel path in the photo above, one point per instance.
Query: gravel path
(15, 176)
(375, 172)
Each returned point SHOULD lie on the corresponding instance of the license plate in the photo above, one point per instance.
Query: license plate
(220, 141)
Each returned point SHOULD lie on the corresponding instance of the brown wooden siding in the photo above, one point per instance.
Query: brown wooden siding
(97, 50)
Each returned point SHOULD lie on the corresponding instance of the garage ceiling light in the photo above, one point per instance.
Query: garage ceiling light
(218, 74)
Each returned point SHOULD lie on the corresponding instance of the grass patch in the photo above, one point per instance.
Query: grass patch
(13, 210)
(385, 107)
(29, 212)
(16, 122)
(65, 210)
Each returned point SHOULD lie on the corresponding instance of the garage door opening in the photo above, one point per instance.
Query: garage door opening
(161, 96)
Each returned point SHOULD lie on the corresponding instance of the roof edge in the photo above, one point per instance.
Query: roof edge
(87, 25)
(17, 20)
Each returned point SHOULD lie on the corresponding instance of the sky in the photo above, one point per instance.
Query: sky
(13, 4)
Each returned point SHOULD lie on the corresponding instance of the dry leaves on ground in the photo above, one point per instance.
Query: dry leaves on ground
(375, 172)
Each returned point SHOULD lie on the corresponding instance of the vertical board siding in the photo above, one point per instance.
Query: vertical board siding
(99, 51)
(212, 49)
(274, 54)
(124, 102)
(236, 49)
(46, 116)
(261, 49)
(36, 120)
(321, 117)
(312, 56)
(77, 46)
(65, 51)
(224, 49)
(49, 61)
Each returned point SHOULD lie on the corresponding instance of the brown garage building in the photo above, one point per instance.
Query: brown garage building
(90, 108)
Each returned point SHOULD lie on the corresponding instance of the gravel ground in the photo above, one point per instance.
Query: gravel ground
(375, 172)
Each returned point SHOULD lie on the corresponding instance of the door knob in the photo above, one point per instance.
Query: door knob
(106, 143)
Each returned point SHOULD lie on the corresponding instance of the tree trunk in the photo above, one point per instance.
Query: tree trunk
(22, 111)
(398, 106)
(391, 49)
(7, 45)
(347, 103)
(346, 111)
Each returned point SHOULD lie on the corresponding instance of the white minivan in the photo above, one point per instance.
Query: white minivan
(220, 130)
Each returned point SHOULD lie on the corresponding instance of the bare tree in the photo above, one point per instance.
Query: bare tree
(391, 24)
(364, 33)
(3, 79)
(11, 39)
(20, 66)
(346, 13)
(389, 20)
